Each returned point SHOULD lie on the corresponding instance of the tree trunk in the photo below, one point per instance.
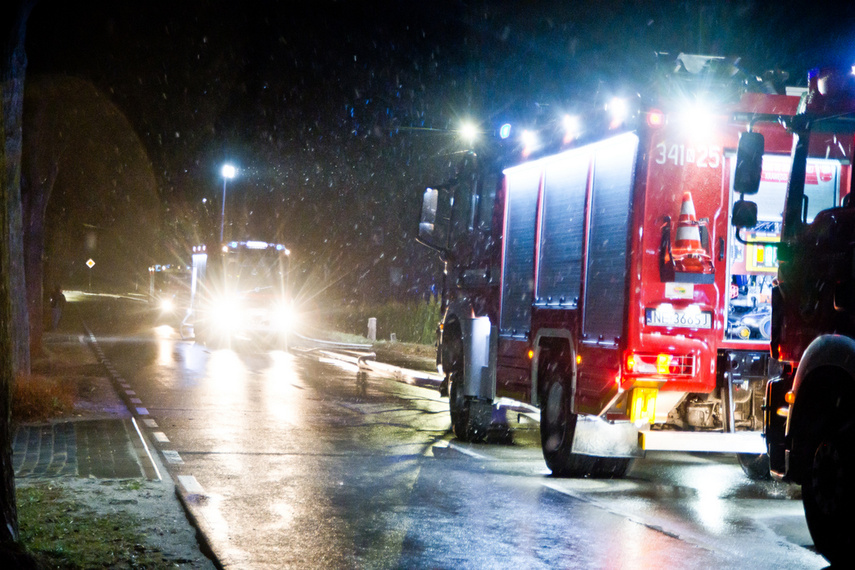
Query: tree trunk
(36, 185)
(13, 105)
(12, 69)
(8, 506)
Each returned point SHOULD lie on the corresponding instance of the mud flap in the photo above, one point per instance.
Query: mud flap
(478, 375)
(599, 438)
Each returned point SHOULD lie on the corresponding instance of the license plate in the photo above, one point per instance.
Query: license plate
(679, 318)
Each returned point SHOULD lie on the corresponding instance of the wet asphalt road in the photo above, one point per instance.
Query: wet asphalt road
(288, 462)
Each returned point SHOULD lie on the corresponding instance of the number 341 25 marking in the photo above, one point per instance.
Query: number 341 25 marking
(681, 155)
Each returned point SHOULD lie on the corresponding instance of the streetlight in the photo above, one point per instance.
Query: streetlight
(468, 132)
(229, 171)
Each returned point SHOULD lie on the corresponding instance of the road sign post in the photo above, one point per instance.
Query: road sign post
(90, 263)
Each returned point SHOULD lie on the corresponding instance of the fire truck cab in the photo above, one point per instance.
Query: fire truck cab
(600, 280)
(810, 407)
(240, 292)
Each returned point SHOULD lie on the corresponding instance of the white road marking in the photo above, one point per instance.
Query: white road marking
(150, 423)
(160, 437)
(142, 412)
(130, 393)
(136, 401)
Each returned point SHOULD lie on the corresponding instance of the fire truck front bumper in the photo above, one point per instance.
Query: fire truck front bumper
(260, 324)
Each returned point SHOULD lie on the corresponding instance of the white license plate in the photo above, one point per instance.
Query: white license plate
(678, 318)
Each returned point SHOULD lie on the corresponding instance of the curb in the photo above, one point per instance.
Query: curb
(202, 540)
(205, 545)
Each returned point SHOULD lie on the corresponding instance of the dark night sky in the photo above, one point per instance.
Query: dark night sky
(338, 112)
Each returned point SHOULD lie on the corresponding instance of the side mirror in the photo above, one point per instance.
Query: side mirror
(744, 214)
(427, 221)
(749, 163)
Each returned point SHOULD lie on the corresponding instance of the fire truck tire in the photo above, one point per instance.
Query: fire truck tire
(557, 427)
(470, 417)
(828, 495)
(755, 466)
(611, 467)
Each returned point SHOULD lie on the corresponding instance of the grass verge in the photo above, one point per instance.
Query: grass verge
(410, 321)
(63, 533)
(37, 398)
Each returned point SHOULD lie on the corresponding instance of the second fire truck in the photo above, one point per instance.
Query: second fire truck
(602, 282)
(240, 293)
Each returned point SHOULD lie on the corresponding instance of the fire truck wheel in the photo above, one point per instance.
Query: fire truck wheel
(557, 427)
(755, 466)
(470, 418)
(829, 496)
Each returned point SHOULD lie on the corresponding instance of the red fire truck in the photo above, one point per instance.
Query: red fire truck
(810, 408)
(602, 282)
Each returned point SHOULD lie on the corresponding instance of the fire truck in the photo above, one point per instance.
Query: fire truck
(810, 407)
(600, 280)
(240, 294)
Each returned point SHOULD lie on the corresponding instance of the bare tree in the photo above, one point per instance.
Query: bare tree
(13, 19)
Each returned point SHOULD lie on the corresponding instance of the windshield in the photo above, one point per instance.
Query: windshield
(252, 270)
(754, 266)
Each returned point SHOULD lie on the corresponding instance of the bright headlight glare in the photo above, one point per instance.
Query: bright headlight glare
(167, 305)
(226, 314)
(284, 317)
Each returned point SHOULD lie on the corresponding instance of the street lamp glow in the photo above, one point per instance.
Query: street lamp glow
(229, 172)
(468, 132)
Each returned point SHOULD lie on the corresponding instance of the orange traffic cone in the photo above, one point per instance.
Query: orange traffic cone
(688, 229)
(689, 254)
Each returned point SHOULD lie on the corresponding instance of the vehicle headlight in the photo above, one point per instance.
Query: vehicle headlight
(284, 317)
(226, 314)
(167, 305)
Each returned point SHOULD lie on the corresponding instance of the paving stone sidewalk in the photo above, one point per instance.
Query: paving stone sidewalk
(98, 438)
(100, 448)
